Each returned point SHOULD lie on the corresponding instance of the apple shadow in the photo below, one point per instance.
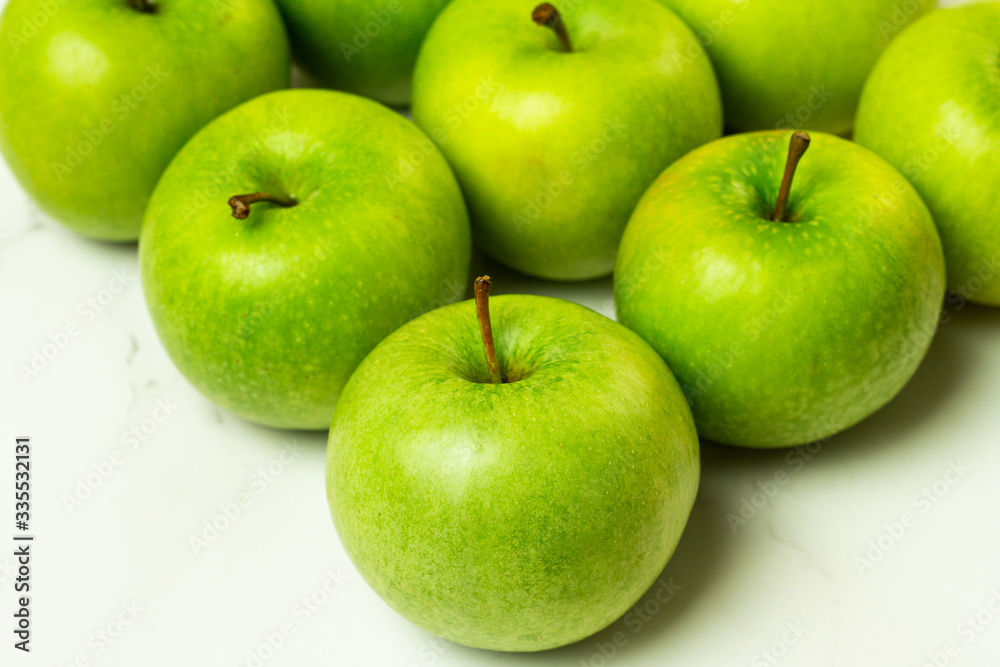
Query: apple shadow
(977, 319)
(700, 554)
(277, 438)
(299, 78)
(933, 388)
(271, 438)
(41, 222)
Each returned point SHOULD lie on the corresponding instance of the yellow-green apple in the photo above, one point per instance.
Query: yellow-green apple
(556, 129)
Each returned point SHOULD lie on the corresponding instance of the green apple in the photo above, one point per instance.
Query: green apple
(516, 498)
(97, 97)
(787, 312)
(268, 315)
(932, 109)
(366, 47)
(792, 64)
(554, 138)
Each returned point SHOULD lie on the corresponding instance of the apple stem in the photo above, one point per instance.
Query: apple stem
(548, 16)
(482, 290)
(241, 203)
(797, 147)
(144, 6)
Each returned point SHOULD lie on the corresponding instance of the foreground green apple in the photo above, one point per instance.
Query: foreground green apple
(795, 63)
(515, 516)
(786, 314)
(932, 109)
(366, 47)
(554, 146)
(269, 315)
(97, 97)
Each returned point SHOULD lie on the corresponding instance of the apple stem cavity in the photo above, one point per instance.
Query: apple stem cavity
(144, 6)
(548, 16)
(241, 203)
(797, 147)
(482, 290)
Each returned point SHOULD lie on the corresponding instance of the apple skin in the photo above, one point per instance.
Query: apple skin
(932, 109)
(95, 105)
(367, 47)
(269, 316)
(795, 64)
(521, 516)
(554, 149)
(782, 333)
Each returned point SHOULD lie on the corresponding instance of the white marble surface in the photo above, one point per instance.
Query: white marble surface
(124, 553)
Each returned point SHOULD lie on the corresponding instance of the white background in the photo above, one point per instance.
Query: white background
(794, 562)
